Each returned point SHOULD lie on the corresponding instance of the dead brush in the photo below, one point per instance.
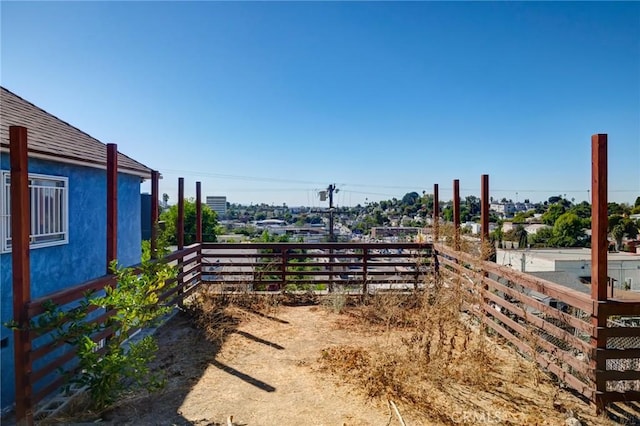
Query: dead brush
(444, 351)
(391, 310)
(218, 313)
(210, 313)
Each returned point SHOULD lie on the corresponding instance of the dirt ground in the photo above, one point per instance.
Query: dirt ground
(266, 370)
(264, 374)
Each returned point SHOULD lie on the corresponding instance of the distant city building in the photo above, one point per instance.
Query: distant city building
(394, 231)
(508, 209)
(473, 227)
(623, 269)
(218, 204)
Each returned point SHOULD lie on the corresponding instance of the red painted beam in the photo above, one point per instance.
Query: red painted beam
(180, 224)
(198, 212)
(112, 203)
(155, 177)
(456, 214)
(20, 231)
(599, 218)
(436, 213)
(484, 208)
(599, 246)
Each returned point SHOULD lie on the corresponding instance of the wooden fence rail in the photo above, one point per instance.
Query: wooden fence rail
(554, 324)
(52, 358)
(544, 320)
(351, 267)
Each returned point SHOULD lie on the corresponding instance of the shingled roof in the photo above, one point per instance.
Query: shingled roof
(53, 139)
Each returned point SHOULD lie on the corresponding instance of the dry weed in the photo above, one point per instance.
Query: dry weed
(442, 357)
(218, 314)
(439, 349)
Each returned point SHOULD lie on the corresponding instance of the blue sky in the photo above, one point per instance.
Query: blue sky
(271, 102)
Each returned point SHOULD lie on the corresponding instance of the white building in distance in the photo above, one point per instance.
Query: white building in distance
(218, 204)
(623, 268)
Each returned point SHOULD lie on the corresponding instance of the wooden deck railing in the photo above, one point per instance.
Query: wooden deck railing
(547, 321)
(555, 324)
(351, 267)
(592, 342)
(542, 319)
(52, 359)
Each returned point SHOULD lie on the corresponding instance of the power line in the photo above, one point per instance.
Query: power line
(362, 185)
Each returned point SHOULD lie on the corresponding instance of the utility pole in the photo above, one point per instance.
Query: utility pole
(330, 190)
(323, 196)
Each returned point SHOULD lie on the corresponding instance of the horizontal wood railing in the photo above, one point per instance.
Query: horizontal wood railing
(546, 321)
(53, 358)
(555, 325)
(352, 267)
(618, 365)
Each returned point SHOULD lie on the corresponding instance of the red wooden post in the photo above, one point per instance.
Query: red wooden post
(20, 231)
(436, 214)
(180, 230)
(456, 214)
(599, 246)
(155, 177)
(180, 224)
(198, 212)
(486, 249)
(599, 218)
(365, 270)
(112, 204)
(284, 258)
(484, 209)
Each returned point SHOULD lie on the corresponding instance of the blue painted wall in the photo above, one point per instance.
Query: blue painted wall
(84, 257)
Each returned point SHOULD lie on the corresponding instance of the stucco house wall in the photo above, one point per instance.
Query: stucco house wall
(83, 256)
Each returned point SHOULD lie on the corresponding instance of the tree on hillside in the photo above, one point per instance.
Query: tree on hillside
(410, 198)
(568, 231)
(521, 217)
(618, 234)
(497, 235)
(619, 209)
(521, 235)
(267, 237)
(583, 210)
(378, 218)
(541, 238)
(554, 211)
(209, 223)
(621, 228)
(472, 203)
(427, 203)
(447, 213)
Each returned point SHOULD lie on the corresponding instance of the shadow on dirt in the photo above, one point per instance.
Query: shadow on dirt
(188, 345)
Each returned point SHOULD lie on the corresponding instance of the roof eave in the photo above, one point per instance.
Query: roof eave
(145, 174)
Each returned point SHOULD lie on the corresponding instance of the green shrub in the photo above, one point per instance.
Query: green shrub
(119, 365)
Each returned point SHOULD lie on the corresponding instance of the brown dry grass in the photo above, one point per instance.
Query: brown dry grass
(416, 350)
(420, 350)
(440, 363)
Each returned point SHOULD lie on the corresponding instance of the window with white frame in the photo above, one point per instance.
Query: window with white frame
(48, 197)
